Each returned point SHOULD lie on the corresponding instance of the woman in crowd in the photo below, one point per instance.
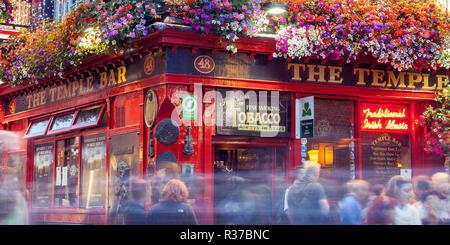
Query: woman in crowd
(172, 208)
(400, 188)
(381, 211)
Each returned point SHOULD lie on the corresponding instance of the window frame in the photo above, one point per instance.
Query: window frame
(73, 126)
(52, 207)
(51, 131)
(88, 124)
(27, 135)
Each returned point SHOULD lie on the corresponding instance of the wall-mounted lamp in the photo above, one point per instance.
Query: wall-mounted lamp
(274, 8)
(314, 155)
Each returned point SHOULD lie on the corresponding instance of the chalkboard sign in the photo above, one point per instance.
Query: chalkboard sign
(383, 155)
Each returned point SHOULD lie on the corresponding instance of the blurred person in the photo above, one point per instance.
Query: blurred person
(400, 188)
(165, 171)
(248, 204)
(421, 185)
(172, 208)
(13, 206)
(298, 174)
(307, 202)
(381, 211)
(440, 183)
(430, 208)
(375, 191)
(352, 205)
(134, 209)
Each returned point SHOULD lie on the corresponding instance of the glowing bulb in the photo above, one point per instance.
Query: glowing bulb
(276, 11)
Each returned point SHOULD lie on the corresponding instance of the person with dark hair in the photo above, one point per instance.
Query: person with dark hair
(172, 208)
(400, 188)
(421, 186)
(134, 209)
(307, 202)
(380, 211)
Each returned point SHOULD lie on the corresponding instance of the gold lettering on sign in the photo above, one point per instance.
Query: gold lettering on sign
(394, 81)
(312, 73)
(296, 70)
(377, 75)
(121, 74)
(103, 80)
(426, 84)
(414, 78)
(361, 77)
(368, 77)
(335, 74)
(440, 80)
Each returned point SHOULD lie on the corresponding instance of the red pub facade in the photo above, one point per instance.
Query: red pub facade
(183, 97)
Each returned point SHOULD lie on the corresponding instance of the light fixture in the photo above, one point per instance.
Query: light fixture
(90, 38)
(314, 155)
(274, 8)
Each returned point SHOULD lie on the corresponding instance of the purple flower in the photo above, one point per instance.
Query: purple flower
(132, 35)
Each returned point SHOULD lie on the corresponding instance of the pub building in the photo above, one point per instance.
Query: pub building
(184, 98)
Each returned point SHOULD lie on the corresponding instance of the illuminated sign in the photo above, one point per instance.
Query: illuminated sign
(381, 118)
(251, 113)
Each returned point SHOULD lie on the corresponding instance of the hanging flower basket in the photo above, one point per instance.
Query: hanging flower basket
(436, 120)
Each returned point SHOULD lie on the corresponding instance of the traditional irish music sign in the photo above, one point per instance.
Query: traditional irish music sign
(384, 118)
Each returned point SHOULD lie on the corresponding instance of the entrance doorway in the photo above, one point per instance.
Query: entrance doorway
(249, 183)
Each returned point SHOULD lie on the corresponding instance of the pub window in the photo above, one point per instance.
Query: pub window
(93, 165)
(61, 123)
(77, 119)
(332, 143)
(37, 128)
(88, 116)
(42, 175)
(66, 179)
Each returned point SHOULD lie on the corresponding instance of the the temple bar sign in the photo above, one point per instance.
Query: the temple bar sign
(82, 85)
(366, 77)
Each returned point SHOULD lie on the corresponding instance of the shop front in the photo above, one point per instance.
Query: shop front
(229, 121)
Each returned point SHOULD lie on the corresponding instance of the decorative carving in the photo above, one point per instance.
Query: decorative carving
(121, 184)
(167, 131)
(150, 152)
(150, 108)
(188, 149)
(150, 169)
(166, 156)
(323, 128)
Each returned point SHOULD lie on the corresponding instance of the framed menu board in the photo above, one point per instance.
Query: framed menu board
(383, 155)
(42, 175)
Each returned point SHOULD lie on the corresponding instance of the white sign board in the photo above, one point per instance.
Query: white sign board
(306, 108)
(407, 172)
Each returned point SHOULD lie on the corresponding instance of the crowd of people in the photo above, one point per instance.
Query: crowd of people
(422, 200)
(162, 199)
